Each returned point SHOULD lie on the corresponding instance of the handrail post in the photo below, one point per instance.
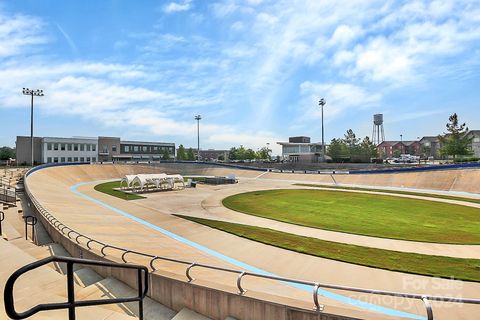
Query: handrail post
(30, 221)
(318, 306)
(70, 291)
(140, 293)
(239, 283)
(2, 217)
(123, 255)
(187, 272)
(428, 307)
(151, 263)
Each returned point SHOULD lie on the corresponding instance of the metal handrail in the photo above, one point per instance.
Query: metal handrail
(30, 221)
(316, 286)
(2, 217)
(71, 304)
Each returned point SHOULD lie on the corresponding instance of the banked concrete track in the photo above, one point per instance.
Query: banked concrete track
(101, 217)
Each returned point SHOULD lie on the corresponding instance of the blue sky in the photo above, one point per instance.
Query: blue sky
(253, 69)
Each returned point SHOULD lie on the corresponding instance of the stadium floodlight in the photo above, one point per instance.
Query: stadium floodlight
(32, 93)
(198, 118)
(321, 103)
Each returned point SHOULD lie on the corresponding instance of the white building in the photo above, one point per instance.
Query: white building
(300, 149)
(58, 150)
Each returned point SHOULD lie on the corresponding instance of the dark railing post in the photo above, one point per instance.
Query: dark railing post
(2, 217)
(30, 221)
(140, 293)
(70, 291)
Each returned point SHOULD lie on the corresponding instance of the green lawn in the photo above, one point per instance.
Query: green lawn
(107, 188)
(461, 269)
(411, 193)
(366, 214)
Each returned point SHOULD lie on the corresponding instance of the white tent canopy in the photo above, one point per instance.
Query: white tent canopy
(159, 181)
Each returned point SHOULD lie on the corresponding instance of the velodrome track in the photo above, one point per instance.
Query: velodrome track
(67, 193)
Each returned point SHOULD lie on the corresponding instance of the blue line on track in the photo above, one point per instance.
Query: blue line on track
(325, 293)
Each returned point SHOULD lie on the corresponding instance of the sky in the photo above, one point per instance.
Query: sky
(253, 69)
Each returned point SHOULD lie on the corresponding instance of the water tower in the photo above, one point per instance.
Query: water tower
(378, 136)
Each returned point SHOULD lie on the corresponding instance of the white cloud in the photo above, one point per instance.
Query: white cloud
(340, 98)
(18, 33)
(177, 6)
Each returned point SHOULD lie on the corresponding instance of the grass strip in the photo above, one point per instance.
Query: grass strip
(410, 193)
(374, 215)
(437, 266)
(107, 188)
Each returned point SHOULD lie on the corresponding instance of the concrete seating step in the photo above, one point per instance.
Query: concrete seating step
(86, 277)
(110, 287)
(9, 232)
(187, 314)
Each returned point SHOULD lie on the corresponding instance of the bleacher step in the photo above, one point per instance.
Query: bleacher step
(110, 287)
(187, 314)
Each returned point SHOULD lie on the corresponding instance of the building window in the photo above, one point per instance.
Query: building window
(144, 148)
(69, 159)
(94, 147)
(49, 146)
(55, 160)
(155, 148)
(49, 160)
(69, 147)
(94, 159)
(105, 149)
(62, 147)
(75, 147)
(62, 159)
(55, 146)
(114, 148)
(82, 159)
(88, 147)
(88, 159)
(75, 159)
(127, 149)
(82, 147)
(135, 148)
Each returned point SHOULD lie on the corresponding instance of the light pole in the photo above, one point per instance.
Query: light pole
(38, 93)
(401, 142)
(321, 103)
(268, 150)
(198, 118)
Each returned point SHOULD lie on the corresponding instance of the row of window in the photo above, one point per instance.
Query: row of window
(145, 149)
(72, 146)
(70, 159)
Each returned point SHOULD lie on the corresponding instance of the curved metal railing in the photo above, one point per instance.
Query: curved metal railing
(425, 298)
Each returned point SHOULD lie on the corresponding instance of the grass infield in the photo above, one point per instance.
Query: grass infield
(410, 193)
(365, 214)
(107, 188)
(438, 266)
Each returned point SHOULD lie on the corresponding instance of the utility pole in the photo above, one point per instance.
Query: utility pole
(38, 93)
(198, 118)
(322, 103)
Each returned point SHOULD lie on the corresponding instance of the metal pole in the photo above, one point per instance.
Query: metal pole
(322, 103)
(198, 118)
(198, 139)
(31, 130)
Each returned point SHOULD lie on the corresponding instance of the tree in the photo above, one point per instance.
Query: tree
(190, 155)
(368, 150)
(181, 155)
(455, 142)
(338, 150)
(7, 153)
(165, 155)
(263, 154)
